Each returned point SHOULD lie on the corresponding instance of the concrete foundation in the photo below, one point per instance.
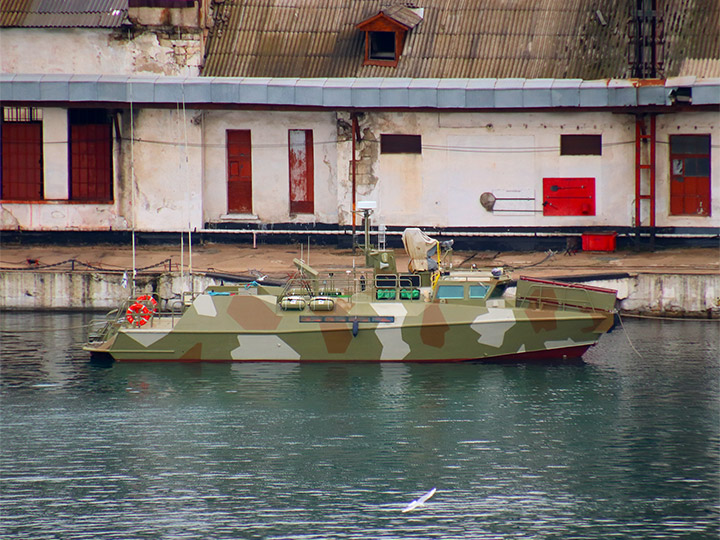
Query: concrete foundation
(668, 295)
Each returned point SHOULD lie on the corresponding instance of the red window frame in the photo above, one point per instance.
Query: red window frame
(690, 183)
(90, 155)
(21, 153)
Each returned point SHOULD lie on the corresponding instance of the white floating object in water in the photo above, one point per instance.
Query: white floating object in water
(419, 502)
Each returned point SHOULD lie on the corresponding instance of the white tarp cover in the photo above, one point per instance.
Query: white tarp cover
(421, 248)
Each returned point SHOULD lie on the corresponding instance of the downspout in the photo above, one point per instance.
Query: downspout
(354, 183)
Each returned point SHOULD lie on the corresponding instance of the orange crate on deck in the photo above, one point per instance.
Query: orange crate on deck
(599, 241)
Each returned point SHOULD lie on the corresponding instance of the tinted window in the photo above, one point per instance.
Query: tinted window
(478, 291)
(450, 291)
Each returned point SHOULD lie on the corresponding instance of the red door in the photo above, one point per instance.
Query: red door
(90, 162)
(22, 161)
(302, 196)
(239, 172)
(690, 175)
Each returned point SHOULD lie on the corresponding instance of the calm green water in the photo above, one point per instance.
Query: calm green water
(616, 447)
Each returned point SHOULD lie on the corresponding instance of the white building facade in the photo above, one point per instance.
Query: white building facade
(477, 156)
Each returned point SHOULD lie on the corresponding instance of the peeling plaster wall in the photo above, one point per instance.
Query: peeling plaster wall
(181, 185)
(467, 154)
(100, 51)
(270, 164)
(168, 183)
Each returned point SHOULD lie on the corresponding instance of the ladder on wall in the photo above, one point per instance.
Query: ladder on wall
(645, 139)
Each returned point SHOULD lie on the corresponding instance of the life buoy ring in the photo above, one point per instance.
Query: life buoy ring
(148, 298)
(138, 314)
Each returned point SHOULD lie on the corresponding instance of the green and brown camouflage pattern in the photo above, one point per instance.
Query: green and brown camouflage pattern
(325, 321)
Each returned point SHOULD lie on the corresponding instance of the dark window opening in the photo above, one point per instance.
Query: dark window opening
(580, 145)
(690, 175)
(400, 144)
(90, 155)
(382, 46)
(21, 153)
(162, 3)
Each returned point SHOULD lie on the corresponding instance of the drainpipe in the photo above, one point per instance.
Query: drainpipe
(353, 116)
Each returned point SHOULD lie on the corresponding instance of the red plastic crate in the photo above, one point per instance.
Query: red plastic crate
(599, 241)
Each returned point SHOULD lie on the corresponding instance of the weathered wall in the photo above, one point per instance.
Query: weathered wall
(86, 291)
(466, 154)
(100, 51)
(167, 156)
(165, 161)
(180, 169)
(651, 294)
(673, 294)
(270, 164)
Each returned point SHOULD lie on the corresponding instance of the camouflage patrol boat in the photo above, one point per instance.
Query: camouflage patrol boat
(428, 314)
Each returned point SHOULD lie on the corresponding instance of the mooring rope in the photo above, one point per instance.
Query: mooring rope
(628, 336)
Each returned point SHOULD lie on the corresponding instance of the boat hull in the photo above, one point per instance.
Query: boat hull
(254, 328)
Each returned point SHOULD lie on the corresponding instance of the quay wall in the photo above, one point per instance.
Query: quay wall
(672, 295)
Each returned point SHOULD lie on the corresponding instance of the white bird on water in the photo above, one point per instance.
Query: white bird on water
(419, 501)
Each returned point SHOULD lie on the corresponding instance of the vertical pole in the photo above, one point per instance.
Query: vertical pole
(652, 170)
(132, 187)
(638, 176)
(354, 200)
(652, 182)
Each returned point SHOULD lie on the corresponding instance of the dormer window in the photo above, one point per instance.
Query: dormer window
(385, 34)
(382, 46)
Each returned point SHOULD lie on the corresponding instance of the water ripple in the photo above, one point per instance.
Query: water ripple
(617, 447)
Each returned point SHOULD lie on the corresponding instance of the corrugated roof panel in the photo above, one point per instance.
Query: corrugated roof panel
(539, 38)
(63, 13)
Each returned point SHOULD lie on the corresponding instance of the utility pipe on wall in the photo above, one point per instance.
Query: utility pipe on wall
(353, 116)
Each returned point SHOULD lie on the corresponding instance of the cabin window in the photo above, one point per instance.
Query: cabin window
(580, 145)
(21, 141)
(90, 152)
(478, 291)
(690, 175)
(409, 280)
(400, 144)
(386, 280)
(450, 292)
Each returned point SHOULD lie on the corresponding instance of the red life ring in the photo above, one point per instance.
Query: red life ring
(138, 314)
(148, 298)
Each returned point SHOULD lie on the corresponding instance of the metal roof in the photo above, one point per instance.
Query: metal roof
(456, 38)
(63, 13)
(362, 93)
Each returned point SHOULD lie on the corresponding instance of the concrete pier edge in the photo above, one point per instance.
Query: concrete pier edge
(647, 294)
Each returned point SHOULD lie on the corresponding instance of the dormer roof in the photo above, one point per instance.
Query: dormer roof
(402, 17)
